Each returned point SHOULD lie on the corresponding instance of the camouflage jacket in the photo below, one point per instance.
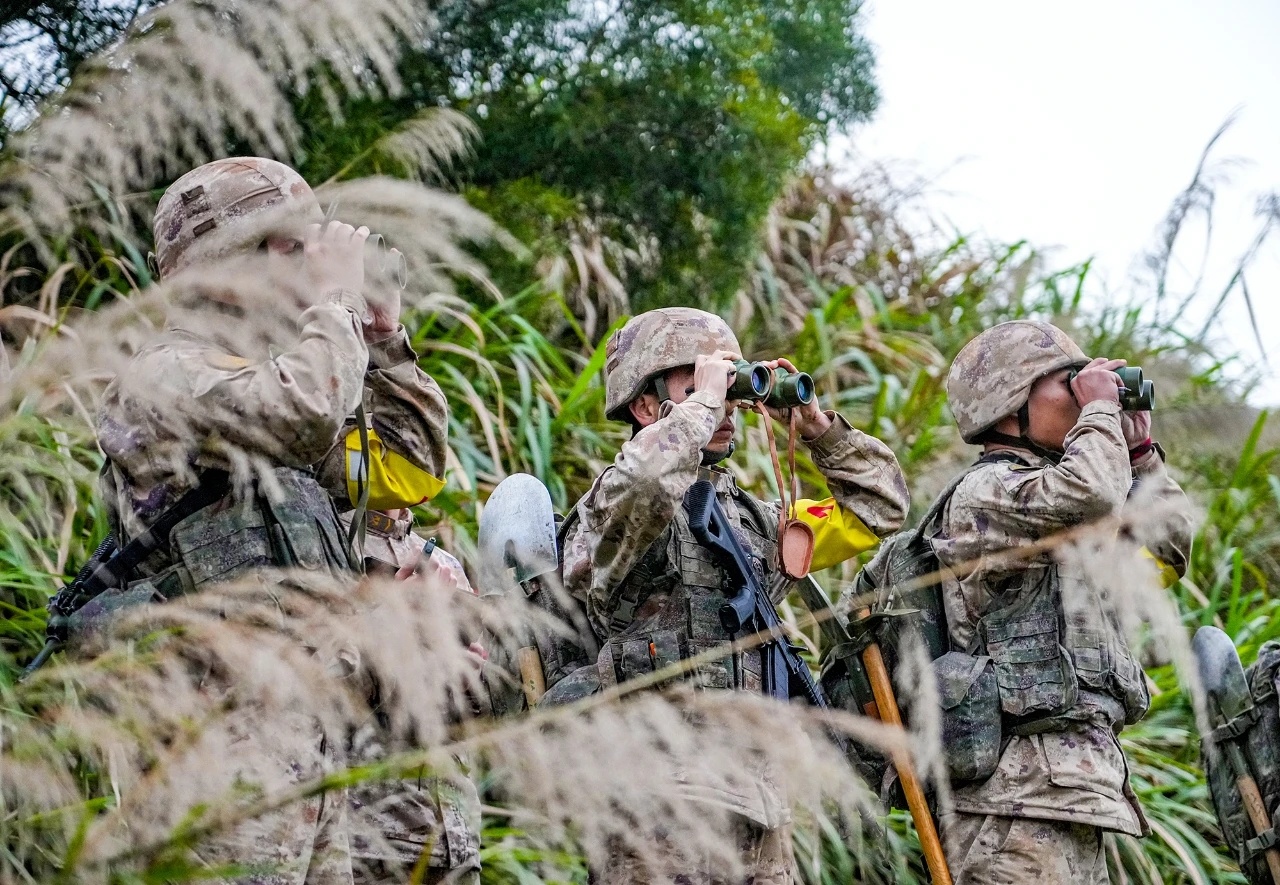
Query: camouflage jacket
(190, 401)
(634, 502)
(1080, 775)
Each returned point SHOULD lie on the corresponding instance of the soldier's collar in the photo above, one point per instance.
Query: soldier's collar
(719, 477)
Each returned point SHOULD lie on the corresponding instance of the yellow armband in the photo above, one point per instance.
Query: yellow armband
(393, 481)
(838, 535)
(1168, 574)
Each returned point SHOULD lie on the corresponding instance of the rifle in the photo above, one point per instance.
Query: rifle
(748, 609)
(108, 568)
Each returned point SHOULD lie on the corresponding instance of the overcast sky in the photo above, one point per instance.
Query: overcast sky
(1075, 125)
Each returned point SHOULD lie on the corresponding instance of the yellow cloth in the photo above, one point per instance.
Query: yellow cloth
(838, 535)
(393, 481)
(1168, 574)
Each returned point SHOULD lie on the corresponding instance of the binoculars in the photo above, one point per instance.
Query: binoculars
(1138, 394)
(778, 388)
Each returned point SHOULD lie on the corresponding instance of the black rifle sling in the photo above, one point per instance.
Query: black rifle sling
(213, 486)
(98, 576)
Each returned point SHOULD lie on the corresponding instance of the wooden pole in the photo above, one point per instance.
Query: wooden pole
(887, 704)
(531, 678)
(1257, 809)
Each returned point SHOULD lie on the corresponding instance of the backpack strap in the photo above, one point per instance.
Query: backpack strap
(934, 513)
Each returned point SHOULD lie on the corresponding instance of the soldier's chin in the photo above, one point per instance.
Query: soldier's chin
(716, 455)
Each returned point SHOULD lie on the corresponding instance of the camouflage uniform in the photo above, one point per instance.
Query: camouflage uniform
(394, 823)
(651, 592)
(1068, 681)
(213, 396)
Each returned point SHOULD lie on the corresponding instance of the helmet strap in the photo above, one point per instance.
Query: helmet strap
(660, 388)
(711, 459)
(1023, 439)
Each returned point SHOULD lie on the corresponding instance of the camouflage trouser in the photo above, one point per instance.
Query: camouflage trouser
(379, 873)
(766, 854)
(998, 850)
(304, 843)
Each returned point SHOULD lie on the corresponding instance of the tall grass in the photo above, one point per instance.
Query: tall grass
(95, 751)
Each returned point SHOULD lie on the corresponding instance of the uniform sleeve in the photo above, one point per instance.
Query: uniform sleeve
(288, 408)
(863, 474)
(869, 494)
(1161, 516)
(409, 433)
(408, 406)
(1089, 483)
(634, 501)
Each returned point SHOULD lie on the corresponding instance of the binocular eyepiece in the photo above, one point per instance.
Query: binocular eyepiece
(778, 388)
(1138, 394)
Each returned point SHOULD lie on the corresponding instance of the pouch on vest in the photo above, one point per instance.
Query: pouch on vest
(1258, 734)
(630, 656)
(295, 526)
(1035, 673)
(970, 701)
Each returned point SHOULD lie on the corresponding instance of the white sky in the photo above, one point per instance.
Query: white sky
(1075, 125)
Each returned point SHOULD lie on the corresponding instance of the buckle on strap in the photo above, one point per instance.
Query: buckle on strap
(1234, 729)
(380, 523)
(1261, 843)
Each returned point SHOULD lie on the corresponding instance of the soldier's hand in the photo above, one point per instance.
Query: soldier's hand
(1136, 427)
(384, 298)
(811, 420)
(1098, 382)
(335, 257)
(714, 373)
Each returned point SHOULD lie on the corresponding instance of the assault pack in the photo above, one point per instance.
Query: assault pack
(1241, 755)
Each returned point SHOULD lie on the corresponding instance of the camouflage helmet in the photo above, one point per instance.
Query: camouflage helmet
(992, 376)
(655, 342)
(219, 209)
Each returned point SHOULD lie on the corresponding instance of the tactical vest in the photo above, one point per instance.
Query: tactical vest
(1055, 665)
(288, 521)
(669, 604)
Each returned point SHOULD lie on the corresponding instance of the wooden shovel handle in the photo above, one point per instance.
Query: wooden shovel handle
(1258, 816)
(531, 678)
(887, 705)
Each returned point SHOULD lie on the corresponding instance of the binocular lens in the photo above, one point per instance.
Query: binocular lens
(804, 388)
(752, 381)
(1138, 395)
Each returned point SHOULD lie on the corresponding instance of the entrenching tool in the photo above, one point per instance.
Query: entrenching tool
(845, 636)
(1223, 679)
(887, 711)
(517, 549)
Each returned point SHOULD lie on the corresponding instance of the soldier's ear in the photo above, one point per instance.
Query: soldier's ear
(644, 409)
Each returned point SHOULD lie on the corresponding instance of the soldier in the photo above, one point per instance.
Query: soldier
(439, 816)
(629, 554)
(1058, 454)
(216, 393)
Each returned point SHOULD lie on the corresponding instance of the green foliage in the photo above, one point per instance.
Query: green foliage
(673, 120)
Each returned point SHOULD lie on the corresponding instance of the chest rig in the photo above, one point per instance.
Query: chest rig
(667, 608)
(1060, 659)
(287, 520)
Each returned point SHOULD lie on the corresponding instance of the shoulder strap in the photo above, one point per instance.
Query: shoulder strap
(940, 502)
(212, 487)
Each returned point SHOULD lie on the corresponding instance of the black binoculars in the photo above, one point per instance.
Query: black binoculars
(1137, 395)
(778, 388)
